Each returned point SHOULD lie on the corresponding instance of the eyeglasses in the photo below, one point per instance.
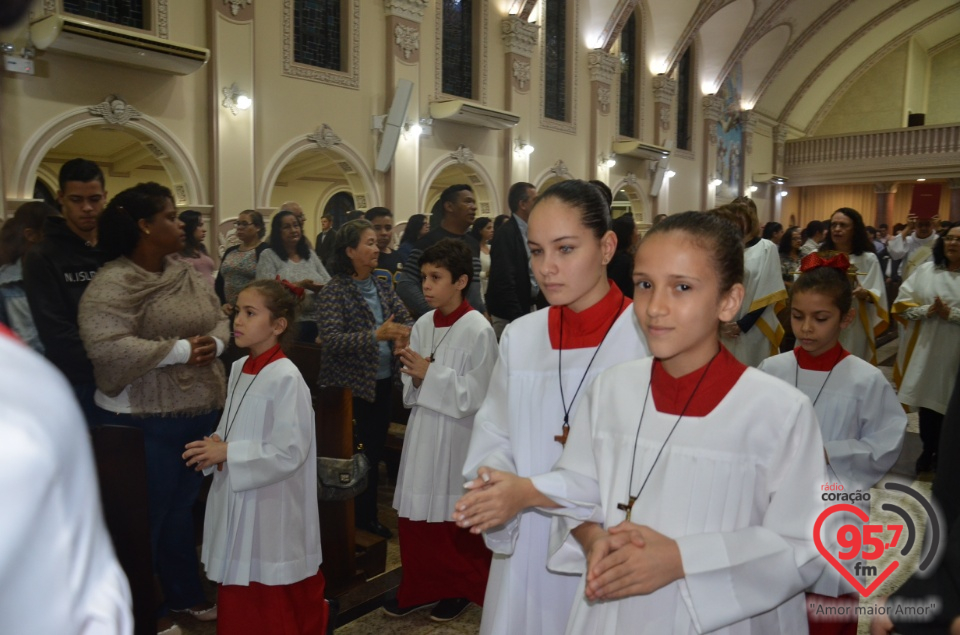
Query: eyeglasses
(240, 224)
(951, 239)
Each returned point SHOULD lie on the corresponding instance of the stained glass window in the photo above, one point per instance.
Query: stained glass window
(555, 60)
(684, 95)
(457, 64)
(628, 78)
(317, 33)
(123, 12)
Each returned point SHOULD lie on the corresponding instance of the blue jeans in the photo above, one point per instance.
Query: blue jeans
(172, 489)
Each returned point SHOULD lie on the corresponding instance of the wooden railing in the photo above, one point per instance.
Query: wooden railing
(905, 142)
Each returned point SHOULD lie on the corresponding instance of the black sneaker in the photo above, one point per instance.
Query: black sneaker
(392, 608)
(449, 609)
(927, 462)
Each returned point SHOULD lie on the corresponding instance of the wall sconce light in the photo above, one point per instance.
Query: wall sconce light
(716, 182)
(523, 148)
(607, 161)
(235, 99)
(669, 174)
(423, 127)
(783, 194)
(752, 189)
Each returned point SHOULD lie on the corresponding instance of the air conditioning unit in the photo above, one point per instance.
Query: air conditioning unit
(640, 150)
(769, 177)
(101, 42)
(472, 114)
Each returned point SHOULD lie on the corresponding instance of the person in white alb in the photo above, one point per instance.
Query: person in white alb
(690, 485)
(914, 245)
(58, 571)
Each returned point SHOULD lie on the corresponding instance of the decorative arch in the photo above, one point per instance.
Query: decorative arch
(554, 174)
(360, 178)
(484, 188)
(188, 187)
(638, 197)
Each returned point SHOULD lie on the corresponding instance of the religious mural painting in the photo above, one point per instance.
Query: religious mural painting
(730, 137)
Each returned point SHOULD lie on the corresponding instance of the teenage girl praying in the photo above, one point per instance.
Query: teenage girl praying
(547, 360)
(261, 534)
(861, 420)
(690, 484)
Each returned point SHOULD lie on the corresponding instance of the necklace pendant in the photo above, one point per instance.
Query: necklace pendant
(431, 359)
(219, 467)
(562, 438)
(627, 507)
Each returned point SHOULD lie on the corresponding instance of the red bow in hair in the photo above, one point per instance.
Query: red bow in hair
(815, 260)
(292, 288)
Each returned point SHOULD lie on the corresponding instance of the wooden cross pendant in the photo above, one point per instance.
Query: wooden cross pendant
(562, 438)
(431, 359)
(627, 507)
(219, 467)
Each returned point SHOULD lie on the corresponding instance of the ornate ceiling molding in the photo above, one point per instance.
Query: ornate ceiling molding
(412, 10)
(603, 66)
(462, 155)
(324, 138)
(770, 19)
(943, 46)
(835, 54)
(115, 110)
(614, 26)
(867, 64)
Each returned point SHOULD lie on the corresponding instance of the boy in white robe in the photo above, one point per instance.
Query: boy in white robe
(447, 369)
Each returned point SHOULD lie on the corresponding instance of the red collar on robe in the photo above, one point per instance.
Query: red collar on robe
(254, 365)
(440, 320)
(823, 362)
(5, 332)
(670, 394)
(587, 328)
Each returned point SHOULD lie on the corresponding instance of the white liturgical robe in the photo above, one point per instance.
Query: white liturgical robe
(862, 425)
(514, 431)
(738, 489)
(438, 433)
(58, 572)
(872, 319)
(262, 522)
(764, 289)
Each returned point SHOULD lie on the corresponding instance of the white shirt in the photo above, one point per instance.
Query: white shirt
(903, 249)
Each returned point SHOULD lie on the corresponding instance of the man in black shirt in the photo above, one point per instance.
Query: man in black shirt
(57, 271)
(389, 262)
(459, 209)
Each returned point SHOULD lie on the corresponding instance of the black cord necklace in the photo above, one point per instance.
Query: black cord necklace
(433, 351)
(232, 420)
(562, 438)
(628, 506)
(796, 376)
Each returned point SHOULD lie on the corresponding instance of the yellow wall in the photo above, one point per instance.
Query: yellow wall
(943, 104)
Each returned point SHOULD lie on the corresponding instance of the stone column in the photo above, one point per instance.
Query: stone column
(402, 181)
(603, 69)
(712, 107)
(885, 196)
(779, 148)
(232, 148)
(664, 92)
(954, 185)
(519, 39)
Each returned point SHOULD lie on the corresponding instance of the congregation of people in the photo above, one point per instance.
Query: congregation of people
(609, 433)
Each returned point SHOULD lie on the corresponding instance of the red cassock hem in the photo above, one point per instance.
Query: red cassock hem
(290, 609)
(818, 623)
(441, 560)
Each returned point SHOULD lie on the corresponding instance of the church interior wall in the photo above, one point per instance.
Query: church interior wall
(943, 103)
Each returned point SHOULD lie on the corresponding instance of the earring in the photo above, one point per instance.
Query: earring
(147, 232)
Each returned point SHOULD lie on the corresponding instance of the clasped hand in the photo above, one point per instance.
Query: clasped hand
(939, 308)
(210, 451)
(414, 365)
(629, 559)
(203, 350)
(495, 497)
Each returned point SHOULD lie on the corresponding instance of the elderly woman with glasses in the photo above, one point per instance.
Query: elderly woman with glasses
(239, 265)
(929, 353)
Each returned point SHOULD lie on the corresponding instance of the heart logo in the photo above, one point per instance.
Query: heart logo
(862, 515)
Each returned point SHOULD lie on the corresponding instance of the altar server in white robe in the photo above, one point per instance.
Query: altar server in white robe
(755, 332)
(547, 361)
(861, 421)
(446, 371)
(261, 533)
(690, 481)
(58, 571)
(913, 246)
(848, 235)
(929, 353)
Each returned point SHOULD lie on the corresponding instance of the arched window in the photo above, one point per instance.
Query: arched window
(318, 33)
(684, 99)
(628, 78)
(555, 60)
(458, 49)
(123, 12)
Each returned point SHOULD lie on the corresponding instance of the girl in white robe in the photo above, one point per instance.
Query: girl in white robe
(929, 354)
(261, 533)
(764, 292)
(848, 235)
(690, 481)
(861, 421)
(446, 371)
(547, 361)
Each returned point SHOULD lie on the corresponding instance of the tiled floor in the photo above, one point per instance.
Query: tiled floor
(419, 623)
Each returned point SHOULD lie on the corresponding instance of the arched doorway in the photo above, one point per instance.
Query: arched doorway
(453, 172)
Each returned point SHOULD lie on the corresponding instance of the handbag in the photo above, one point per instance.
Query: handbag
(341, 479)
